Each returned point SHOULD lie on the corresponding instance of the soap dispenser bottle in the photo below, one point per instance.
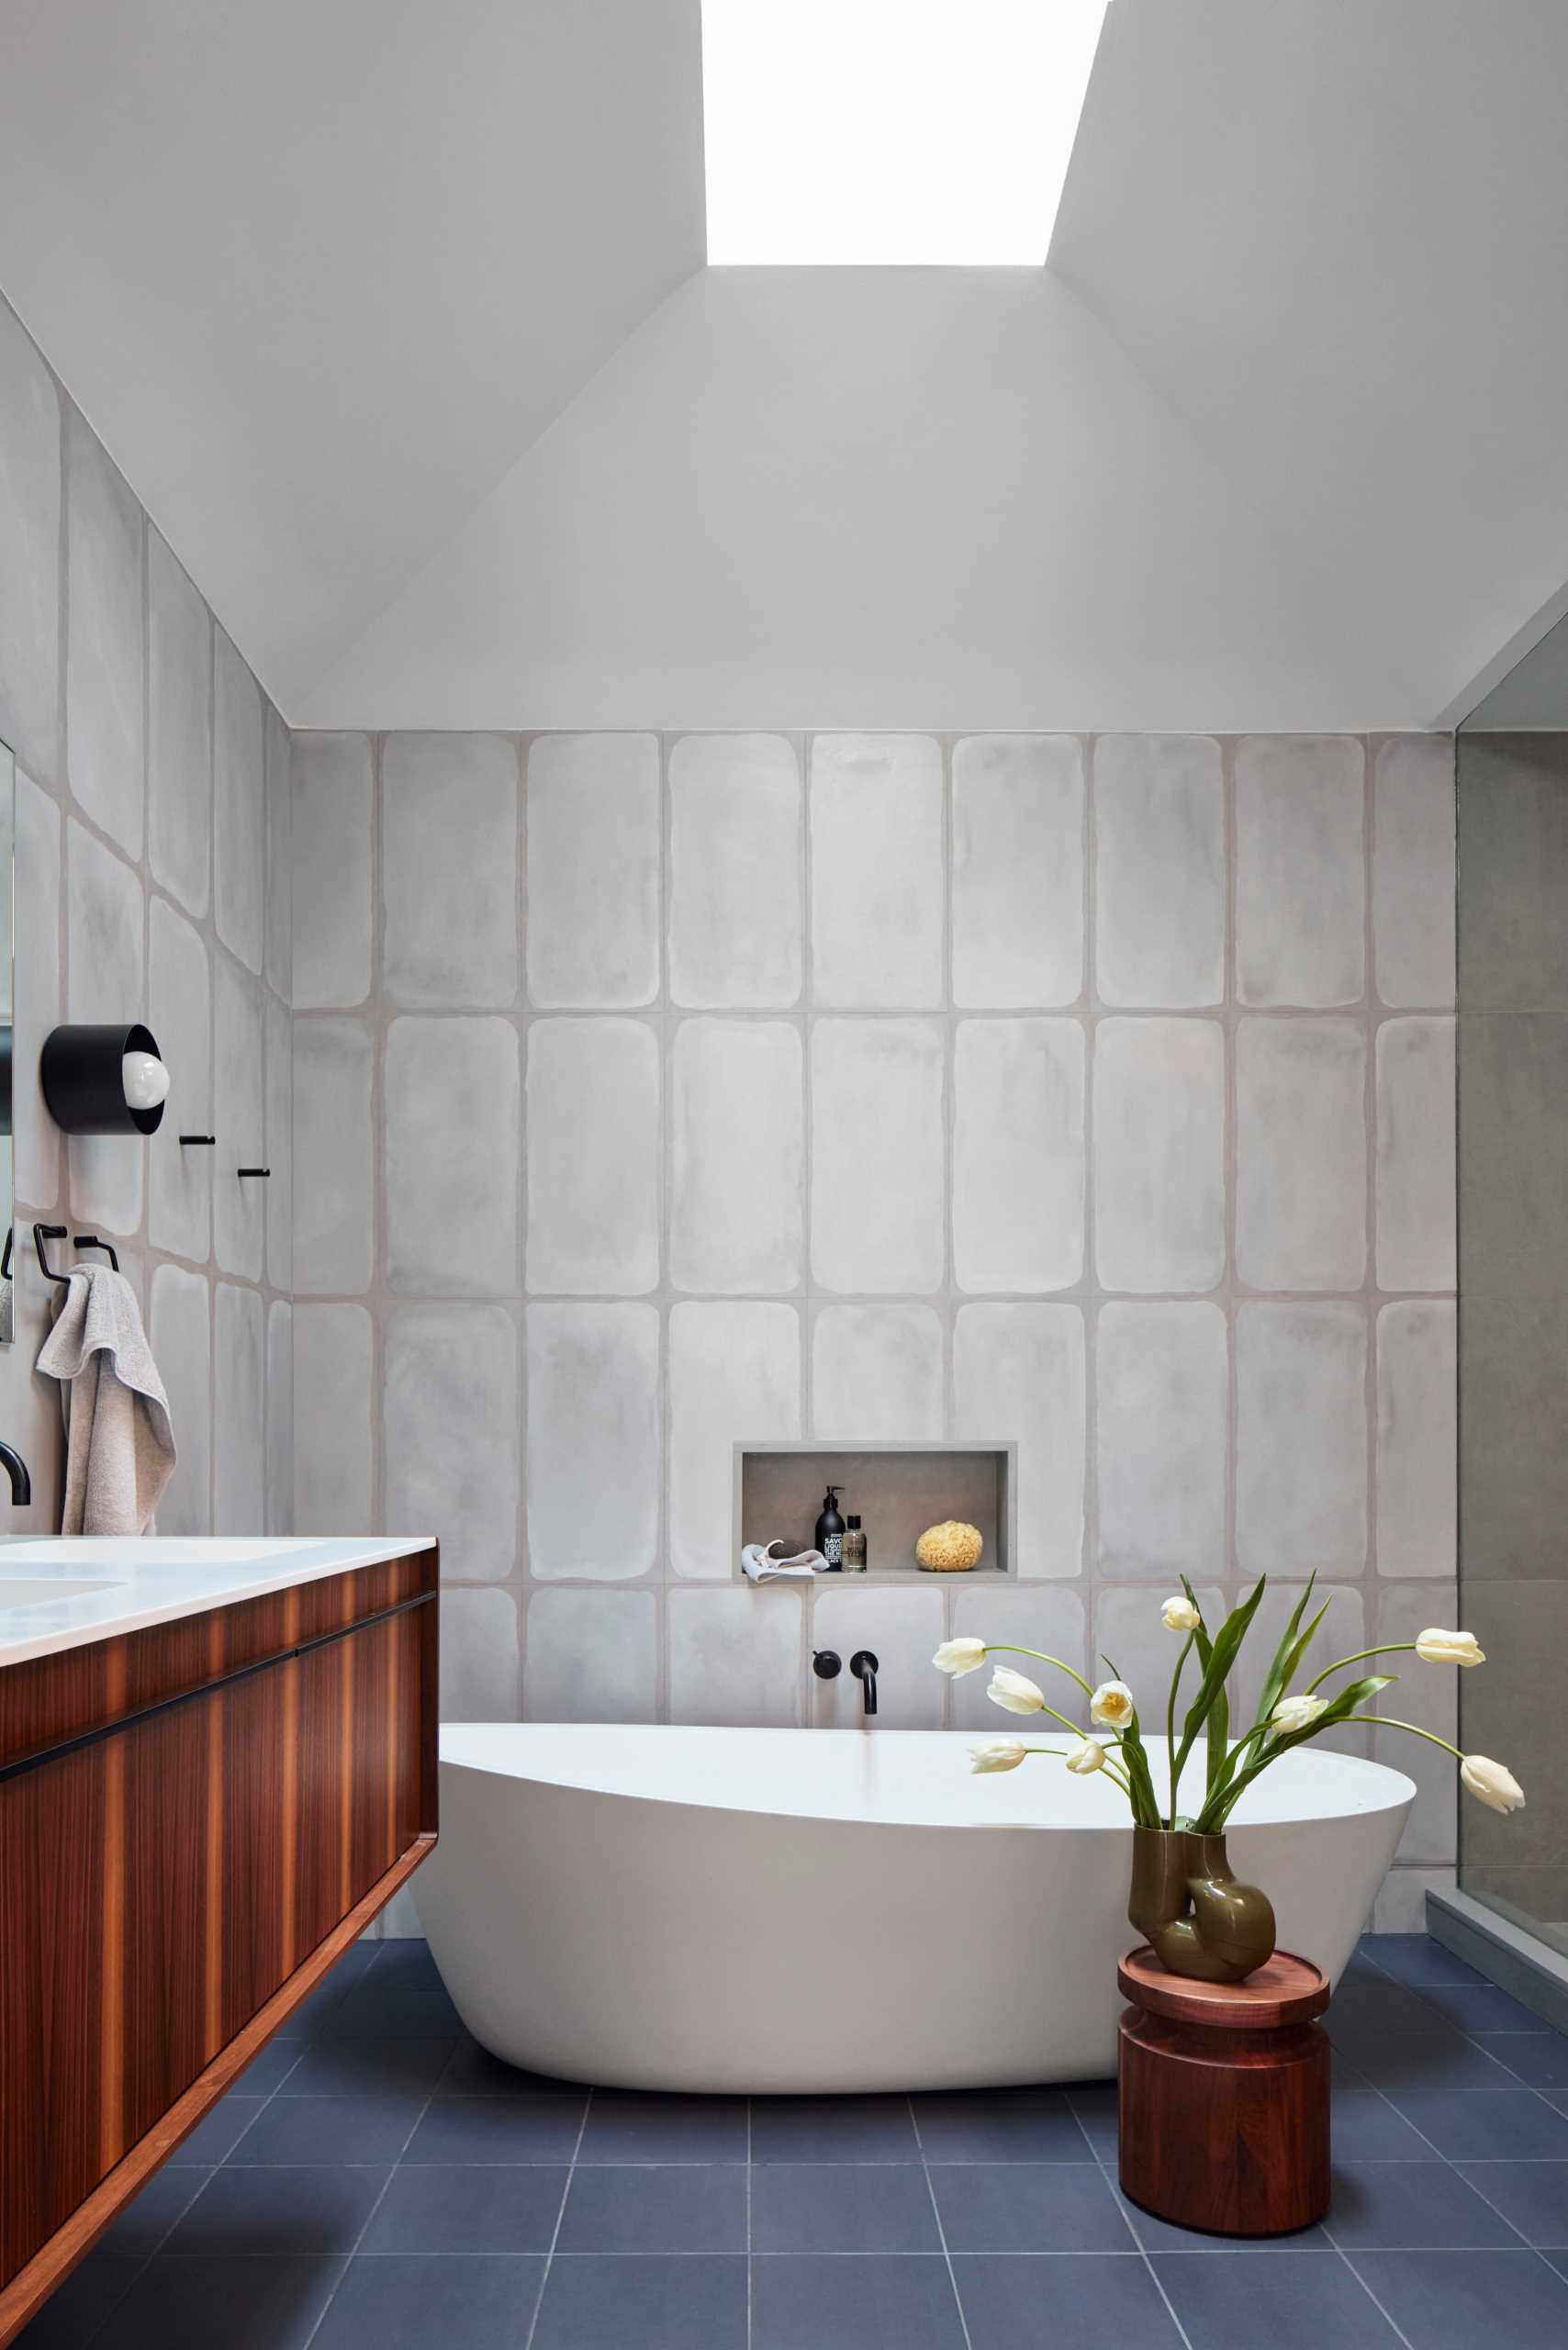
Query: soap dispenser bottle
(829, 1532)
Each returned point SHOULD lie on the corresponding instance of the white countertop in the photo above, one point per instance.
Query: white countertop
(57, 1594)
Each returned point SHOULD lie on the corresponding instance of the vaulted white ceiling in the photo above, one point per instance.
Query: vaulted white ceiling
(397, 319)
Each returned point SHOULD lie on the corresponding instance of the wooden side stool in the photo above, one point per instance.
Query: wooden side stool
(1223, 2096)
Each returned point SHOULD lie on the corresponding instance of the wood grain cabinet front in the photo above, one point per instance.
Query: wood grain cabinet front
(195, 1822)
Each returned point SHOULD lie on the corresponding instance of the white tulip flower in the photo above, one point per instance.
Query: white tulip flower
(1435, 1647)
(1087, 1756)
(1001, 1754)
(1297, 1713)
(959, 1656)
(1015, 1691)
(1179, 1615)
(1492, 1782)
(1111, 1705)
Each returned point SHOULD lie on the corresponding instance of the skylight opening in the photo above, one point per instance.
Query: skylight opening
(934, 131)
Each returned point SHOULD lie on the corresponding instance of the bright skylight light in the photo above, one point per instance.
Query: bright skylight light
(891, 130)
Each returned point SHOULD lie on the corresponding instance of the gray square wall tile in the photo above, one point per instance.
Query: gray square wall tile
(877, 872)
(333, 1472)
(1428, 1696)
(239, 1204)
(179, 988)
(36, 949)
(449, 870)
(593, 1157)
(104, 679)
(278, 1049)
(737, 1114)
(735, 1376)
(1300, 869)
(903, 1629)
(1413, 870)
(1301, 1154)
(452, 1145)
(1162, 1377)
(179, 1329)
(731, 1661)
(593, 871)
(1018, 1154)
(279, 1499)
(29, 531)
(1160, 1154)
(877, 1372)
(479, 1660)
(239, 1408)
(279, 761)
(106, 979)
(239, 807)
(1159, 886)
(329, 828)
(450, 1418)
(1418, 1439)
(179, 732)
(735, 872)
(1300, 1439)
(1018, 887)
(593, 1470)
(592, 1656)
(1052, 1618)
(1018, 1378)
(334, 1196)
(878, 1178)
(1416, 1241)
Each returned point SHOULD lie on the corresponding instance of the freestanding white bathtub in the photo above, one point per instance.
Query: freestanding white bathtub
(775, 1910)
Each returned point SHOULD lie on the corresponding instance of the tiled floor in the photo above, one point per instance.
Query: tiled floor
(376, 2182)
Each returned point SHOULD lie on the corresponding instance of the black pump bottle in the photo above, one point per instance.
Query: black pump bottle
(829, 1532)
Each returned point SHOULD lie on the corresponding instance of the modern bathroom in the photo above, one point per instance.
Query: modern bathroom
(784, 1147)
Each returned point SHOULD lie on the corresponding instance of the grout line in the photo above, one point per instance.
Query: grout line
(941, 2230)
(1398, 2332)
(560, 2215)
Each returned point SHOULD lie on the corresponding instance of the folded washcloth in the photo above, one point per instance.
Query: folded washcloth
(759, 1565)
(119, 1443)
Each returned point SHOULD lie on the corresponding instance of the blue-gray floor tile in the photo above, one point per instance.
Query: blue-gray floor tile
(1482, 2006)
(269, 2068)
(1366, 2129)
(242, 2304)
(1469, 2301)
(1163, 2235)
(1538, 2057)
(1280, 2301)
(833, 2129)
(374, 2067)
(1028, 2207)
(1533, 2196)
(855, 2207)
(472, 2071)
(366, 2129)
(1368, 2010)
(1441, 2059)
(1407, 2206)
(634, 2126)
(542, 2127)
(388, 2011)
(319, 2004)
(468, 2207)
(672, 2207)
(676, 2301)
(1416, 1958)
(72, 2316)
(411, 2303)
(300, 2213)
(881, 2301)
(1557, 2260)
(1069, 2298)
(218, 2133)
(1486, 2125)
(999, 2126)
(143, 2224)
(1094, 2105)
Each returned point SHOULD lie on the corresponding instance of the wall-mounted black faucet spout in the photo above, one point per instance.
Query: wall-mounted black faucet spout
(16, 1468)
(863, 1664)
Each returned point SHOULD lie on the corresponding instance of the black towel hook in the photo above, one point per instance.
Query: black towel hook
(91, 1240)
(42, 1232)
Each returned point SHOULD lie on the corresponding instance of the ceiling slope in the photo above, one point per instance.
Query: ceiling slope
(317, 273)
(1332, 234)
(921, 498)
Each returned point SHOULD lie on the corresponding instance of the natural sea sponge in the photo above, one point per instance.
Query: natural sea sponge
(950, 1549)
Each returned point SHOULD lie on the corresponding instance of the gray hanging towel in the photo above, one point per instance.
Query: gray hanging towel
(119, 1441)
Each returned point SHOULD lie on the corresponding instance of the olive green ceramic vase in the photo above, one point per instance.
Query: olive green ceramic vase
(1189, 1907)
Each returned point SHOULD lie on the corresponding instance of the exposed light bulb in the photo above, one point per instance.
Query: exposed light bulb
(146, 1080)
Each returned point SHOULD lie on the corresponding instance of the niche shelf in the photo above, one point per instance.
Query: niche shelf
(897, 1490)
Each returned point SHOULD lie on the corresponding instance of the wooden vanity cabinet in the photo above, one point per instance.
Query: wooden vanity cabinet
(195, 1820)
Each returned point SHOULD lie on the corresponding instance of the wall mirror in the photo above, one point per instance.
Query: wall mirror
(8, 932)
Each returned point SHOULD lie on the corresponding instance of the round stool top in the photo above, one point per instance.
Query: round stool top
(1286, 1989)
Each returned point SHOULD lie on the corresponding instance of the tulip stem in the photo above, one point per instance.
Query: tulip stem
(1007, 1648)
(1170, 1723)
(1387, 1721)
(1389, 1647)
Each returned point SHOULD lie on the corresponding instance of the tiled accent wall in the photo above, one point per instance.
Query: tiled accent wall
(151, 883)
(1513, 1031)
(1096, 1093)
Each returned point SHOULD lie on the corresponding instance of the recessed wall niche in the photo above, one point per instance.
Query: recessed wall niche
(896, 1491)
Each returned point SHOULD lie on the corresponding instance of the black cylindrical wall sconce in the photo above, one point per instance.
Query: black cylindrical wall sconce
(104, 1080)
